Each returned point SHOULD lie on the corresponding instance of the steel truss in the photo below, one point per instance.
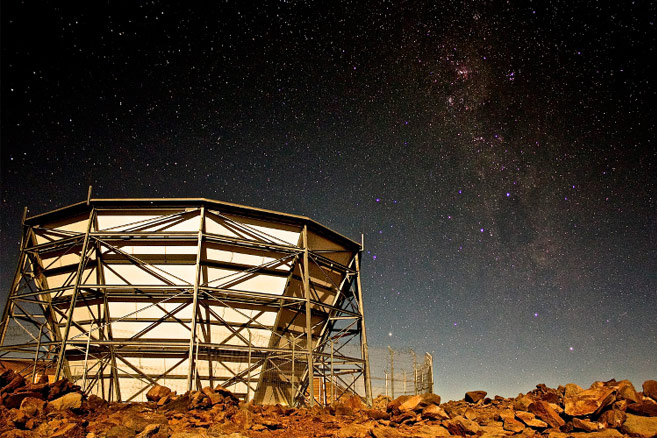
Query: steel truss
(318, 335)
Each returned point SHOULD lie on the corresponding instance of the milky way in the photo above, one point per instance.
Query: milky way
(498, 159)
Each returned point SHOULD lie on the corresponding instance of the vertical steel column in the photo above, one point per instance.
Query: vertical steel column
(363, 334)
(309, 336)
(36, 354)
(430, 374)
(332, 374)
(74, 297)
(294, 390)
(192, 340)
(17, 278)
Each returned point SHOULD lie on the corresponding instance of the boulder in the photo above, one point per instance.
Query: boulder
(530, 420)
(353, 401)
(381, 402)
(650, 389)
(572, 389)
(613, 418)
(625, 391)
(434, 412)
(604, 433)
(462, 426)
(393, 405)
(643, 427)
(387, 432)
(475, 396)
(226, 393)
(17, 417)
(61, 387)
(470, 414)
(504, 414)
(15, 381)
(14, 400)
(643, 409)
(212, 395)
(430, 431)
(120, 431)
(545, 412)
(590, 401)
(620, 405)
(33, 406)
(354, 430)
(72, 400)
(522, 403)
(586, 425)
(418, 402)
(149, 431)
(513, 425)
(157, 392)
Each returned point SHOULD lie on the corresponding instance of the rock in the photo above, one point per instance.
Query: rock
(61, 387)
(620, 405)
(353, 401)
(17, 417)
(94, 403)
(72, 400)
(120, 431)
(375, 414)
(650, 389)
(604, 433)
(354, 430)
(381, 402)
(430, 431)
(475, 396)
(625, 391)
(643, 409)
(590, 401)
(33, 406)
(504, 414)
(418, 402)
(522, 403)
(14, 381)
(434, 412)
(157, 392)
(530, 420)
(386, 432)
(405, 418)
(17, 433)
(513, 425)
(68, 430)
(613, 418)
(14, 400)
(180, 404)
(462, 426)
(149, 431)
(572, 389)
(212, 395)
(226, 393)
(198, 400)
(586, 425)
(394, 404)
(644, 427)
(543, 411)
(470, 414)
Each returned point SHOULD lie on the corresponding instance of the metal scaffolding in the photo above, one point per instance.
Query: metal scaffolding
(121, 294)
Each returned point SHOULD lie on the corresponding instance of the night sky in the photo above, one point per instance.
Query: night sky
(499, 157)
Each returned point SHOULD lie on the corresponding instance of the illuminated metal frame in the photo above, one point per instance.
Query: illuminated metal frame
(46, 314)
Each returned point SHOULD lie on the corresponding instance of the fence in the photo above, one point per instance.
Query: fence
(397, 372)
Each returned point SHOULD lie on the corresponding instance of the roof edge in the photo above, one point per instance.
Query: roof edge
(80, 207)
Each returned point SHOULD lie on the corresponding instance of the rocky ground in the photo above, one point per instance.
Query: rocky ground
(605, 410)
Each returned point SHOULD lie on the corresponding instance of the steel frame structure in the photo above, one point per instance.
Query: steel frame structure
(104, 289)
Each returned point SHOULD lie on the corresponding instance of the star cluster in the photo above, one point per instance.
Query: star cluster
(499, 159)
